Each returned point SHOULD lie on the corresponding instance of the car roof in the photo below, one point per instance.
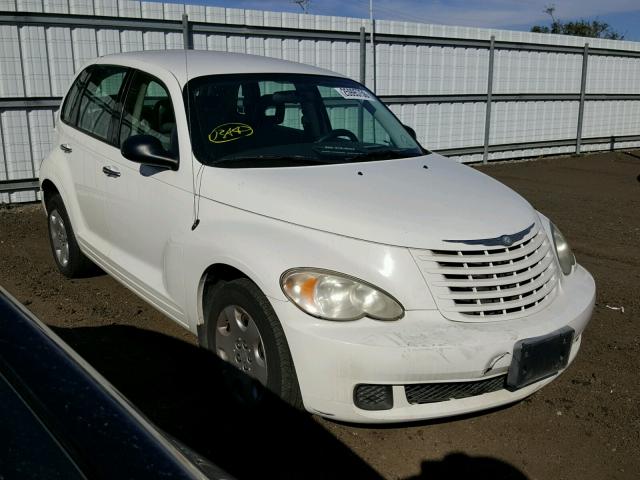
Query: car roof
(202, 62)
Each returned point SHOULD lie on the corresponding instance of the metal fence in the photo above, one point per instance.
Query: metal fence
(473, 94)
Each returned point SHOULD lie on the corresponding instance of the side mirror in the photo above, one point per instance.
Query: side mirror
(411, 132)
(147, 150)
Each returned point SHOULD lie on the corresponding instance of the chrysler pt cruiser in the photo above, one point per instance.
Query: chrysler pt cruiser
(285, 216)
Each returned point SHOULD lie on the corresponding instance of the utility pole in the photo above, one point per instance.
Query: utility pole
(373, 44)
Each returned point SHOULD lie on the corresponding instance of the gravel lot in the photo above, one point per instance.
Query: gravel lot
(584, 425)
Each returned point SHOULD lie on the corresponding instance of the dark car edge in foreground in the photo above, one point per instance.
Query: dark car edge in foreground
(62, 419)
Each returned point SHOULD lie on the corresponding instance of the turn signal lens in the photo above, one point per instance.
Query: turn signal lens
(565, 255)
(335, 296)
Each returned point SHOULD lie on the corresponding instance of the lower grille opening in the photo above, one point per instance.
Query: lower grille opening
(441, 392)
(373, 397)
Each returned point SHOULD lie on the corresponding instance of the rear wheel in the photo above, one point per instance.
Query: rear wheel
(69, 259)
(243, 329)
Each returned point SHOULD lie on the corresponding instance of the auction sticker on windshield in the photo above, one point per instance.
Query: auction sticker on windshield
(229, 132)
(353, 93)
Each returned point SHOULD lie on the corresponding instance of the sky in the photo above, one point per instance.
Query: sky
(622, 15)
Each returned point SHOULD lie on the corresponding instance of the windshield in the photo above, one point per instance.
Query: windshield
(271, 120)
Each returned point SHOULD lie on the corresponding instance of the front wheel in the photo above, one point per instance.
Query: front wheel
(243, 330)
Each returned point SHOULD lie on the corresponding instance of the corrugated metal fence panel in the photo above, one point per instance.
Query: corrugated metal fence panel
(11, 80)
(106, 7)
(40, 61)
(439, 125)
(526, 153)
(536, 72)
(56, 6)
(4, 197)
(613, 75)
(61, 63)
(515, 122)
(606, 146)
(611, 118)
(35, 62)
(17, 150)
(416, 70)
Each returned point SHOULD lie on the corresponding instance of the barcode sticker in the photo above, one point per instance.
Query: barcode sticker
(354, 93)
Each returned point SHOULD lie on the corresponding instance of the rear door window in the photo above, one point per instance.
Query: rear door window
(99, 100)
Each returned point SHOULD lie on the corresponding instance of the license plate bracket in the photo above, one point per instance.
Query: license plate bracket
(537, 358)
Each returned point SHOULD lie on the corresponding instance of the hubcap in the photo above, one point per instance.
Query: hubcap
(238, 341)
(58, 233)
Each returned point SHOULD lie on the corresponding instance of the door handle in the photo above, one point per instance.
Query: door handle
(66, 148)
(111, 172)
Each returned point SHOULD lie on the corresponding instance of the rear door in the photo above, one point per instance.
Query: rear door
(87, 140)
(68, 167)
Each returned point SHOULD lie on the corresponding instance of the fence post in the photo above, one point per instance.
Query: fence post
(363, 55)
(186, 32)
(373, 54)
(583, 86)
(363, 78)
(487, 118)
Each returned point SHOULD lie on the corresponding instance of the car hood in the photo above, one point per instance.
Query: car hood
(415, 202)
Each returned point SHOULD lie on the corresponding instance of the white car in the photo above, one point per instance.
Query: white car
(283, 214)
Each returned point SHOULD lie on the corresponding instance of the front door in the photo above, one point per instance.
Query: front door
(149, 209)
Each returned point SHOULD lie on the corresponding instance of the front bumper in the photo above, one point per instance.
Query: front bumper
(331, 358)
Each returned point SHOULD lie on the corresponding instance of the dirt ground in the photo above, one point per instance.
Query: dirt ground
(585, 425)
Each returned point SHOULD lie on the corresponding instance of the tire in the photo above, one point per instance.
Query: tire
(71, 262)
(242, 296)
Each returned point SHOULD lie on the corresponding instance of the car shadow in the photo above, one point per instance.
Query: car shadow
(181, 389)
(431, 422)
(459, 465)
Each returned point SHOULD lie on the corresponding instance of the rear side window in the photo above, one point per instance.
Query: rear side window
(99, 100)
(148, 111)
(70, 108)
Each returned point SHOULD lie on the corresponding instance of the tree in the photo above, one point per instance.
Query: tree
(303, 4)
(581, 28)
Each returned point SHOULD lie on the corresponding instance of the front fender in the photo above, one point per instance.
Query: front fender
(263, 248)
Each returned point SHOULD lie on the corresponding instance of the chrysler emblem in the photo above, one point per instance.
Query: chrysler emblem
(504, 240)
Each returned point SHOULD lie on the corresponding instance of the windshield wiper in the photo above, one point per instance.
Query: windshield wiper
(383, 154)
(268, 158)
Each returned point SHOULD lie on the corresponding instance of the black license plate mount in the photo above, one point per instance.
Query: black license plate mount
(537, 358)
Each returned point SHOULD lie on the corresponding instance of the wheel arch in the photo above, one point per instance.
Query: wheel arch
(212, 276)
(49, 189)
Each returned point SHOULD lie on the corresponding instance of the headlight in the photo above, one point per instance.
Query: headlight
(565, 256)
(334, 296)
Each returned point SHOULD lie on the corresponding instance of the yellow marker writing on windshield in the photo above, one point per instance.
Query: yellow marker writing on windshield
(228, 132)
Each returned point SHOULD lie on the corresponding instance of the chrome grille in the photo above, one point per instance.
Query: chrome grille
(484, 284)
